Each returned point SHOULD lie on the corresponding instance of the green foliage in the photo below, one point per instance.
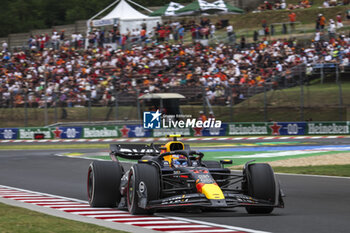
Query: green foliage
(25, 15)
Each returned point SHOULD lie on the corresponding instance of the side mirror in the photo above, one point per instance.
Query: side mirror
(226, 161)
(145, 161)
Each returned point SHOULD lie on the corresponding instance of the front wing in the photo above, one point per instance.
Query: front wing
(199, 200)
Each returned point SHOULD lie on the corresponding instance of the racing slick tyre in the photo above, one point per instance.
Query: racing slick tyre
(211, 164)
(103, 183)
(143, 181)
(261, 185)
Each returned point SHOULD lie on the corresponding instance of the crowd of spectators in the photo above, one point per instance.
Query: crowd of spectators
(302, 4)
(283, 5)
(332, 3)
(55, 41)
(73, 76)
(173, 31)
(57, 70)
(169, 31)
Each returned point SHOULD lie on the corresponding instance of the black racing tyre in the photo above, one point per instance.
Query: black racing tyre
(261, 184)
(211, 164)
(142, 178)
(103, 183)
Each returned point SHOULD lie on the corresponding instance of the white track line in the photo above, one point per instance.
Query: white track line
(131, 219)
(51, 203)
(98, 212)
(199, 231)
(108, 215)
(34, 201)
(218, 225)
(62, 205)
(154, 222)
(177, 226)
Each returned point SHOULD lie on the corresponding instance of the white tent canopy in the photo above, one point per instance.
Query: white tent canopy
(124, 11)
(126, 16)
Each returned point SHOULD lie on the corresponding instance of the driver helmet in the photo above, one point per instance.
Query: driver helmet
(179, 161)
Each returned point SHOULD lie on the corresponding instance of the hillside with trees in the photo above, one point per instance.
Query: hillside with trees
(25, 15)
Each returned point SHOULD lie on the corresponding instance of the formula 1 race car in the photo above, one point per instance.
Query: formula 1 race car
(174, 176)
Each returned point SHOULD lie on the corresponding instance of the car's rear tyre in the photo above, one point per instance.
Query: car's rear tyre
(103, 183)
(261, 184)
(211, 164)
(142, 178)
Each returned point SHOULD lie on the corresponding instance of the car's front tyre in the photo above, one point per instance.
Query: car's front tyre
(143, 180)
(261, 184)
(103, 183)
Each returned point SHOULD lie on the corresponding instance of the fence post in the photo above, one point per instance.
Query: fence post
(11, 100)
(340, 91)
(116, 104)
(301, 93)
(89, 106)
(45, 100)
(231, 103)
(26, 108)
(55, 95)
(204, 103)
(138, 103)
(265, 103)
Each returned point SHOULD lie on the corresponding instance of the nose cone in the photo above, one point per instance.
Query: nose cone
(212, 191)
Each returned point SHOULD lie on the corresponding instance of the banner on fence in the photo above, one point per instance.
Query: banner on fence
(226, 129)
(162, 132)
(67, 132)
(328, 128)
(287, 128)
(214, 131)
(28, 133)
(255, 128)
(137, 131)
(8, 133)
(101, 132)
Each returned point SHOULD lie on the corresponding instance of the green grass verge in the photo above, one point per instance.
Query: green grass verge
(20, 220)
(316, 95)
(328, 170)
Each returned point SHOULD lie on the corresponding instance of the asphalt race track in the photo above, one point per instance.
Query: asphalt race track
(313, 204)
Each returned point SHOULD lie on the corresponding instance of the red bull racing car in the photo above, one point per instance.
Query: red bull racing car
(174, 176)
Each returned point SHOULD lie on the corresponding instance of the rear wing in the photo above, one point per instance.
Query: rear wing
(134, 151)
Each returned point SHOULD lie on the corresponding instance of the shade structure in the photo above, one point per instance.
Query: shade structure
(201, 6)
(127, 18)
(162, 96)
(230, 8)
(124, 11)
(167, 10)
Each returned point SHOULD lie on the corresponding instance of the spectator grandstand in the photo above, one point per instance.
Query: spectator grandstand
(59, 72)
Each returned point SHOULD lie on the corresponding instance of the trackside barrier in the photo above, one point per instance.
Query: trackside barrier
(137, 131)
